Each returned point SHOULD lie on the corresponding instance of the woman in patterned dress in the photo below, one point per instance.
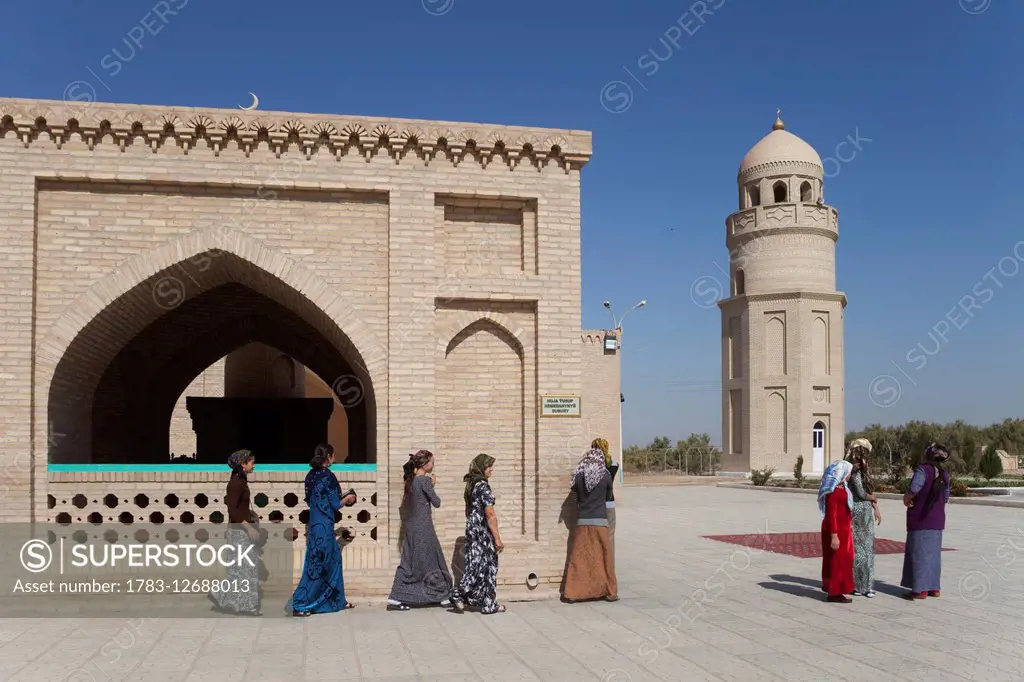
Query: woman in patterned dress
(242, 595)
(422, 576)
(865, 517)
(479, 584)
(322, 586)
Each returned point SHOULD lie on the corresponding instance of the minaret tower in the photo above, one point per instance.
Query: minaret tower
(782, 324)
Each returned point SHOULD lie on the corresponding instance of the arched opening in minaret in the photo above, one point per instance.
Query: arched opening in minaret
(739, 283)
(781, 192)
(753, 196)
(806, 195)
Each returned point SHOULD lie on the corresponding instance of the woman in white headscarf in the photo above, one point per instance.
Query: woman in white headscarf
(865, 517)
(836, 506)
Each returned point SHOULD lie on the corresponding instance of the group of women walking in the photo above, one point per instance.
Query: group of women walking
(850, 513)
(846, 500)
(422, 577)
(322, 587)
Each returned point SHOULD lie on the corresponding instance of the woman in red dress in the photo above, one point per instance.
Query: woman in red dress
(836, 506)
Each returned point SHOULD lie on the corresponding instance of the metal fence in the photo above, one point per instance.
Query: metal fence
(703, 461)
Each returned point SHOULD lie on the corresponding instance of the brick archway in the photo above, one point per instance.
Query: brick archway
(269, 267)
(136, 396)
(73, 358)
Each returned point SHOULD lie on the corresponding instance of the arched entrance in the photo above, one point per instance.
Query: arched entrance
(818, 447)
(115, 388)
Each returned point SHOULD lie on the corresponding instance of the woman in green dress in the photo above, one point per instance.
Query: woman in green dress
(865, 517)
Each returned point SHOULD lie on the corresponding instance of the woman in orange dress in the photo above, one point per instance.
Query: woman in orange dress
(836, 506)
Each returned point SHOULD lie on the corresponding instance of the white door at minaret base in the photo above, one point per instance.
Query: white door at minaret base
(818, 448)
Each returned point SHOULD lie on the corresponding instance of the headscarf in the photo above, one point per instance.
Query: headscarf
(859, 443)
(476, 473)
(936, 453)
(237, 459)
(602, 445)
(860, 448)
(416, 461)
(835, 474)
(591, 467)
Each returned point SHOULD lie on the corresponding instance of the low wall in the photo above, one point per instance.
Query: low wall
(193, 497)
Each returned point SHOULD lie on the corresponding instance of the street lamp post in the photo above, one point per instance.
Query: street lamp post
(617, 326)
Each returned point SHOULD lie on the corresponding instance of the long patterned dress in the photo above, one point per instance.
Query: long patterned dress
(322, 587)
(479, 584)
(422, 576)
(863, 537)
(837, 565)
(240, 593)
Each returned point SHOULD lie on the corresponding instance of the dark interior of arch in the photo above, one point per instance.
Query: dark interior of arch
(780, 192)
(805, 192)
(135, 397)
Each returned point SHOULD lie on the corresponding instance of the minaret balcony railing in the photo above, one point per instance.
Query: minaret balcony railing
(759, 219)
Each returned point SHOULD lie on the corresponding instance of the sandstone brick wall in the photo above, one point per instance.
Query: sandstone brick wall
(496, 235)
(601, 391)
(486, 381)
(371, 232)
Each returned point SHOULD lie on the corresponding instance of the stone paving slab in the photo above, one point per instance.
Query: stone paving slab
(691, 609)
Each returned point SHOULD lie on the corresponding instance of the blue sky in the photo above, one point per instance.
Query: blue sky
(927, 207)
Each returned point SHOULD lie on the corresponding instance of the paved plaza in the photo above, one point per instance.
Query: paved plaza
(763, 616)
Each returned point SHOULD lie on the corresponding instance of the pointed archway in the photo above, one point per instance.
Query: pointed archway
(178, 317)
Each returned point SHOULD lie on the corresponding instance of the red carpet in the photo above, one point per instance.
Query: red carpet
(801, 545)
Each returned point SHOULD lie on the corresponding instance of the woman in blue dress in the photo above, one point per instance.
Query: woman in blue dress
(322, 587)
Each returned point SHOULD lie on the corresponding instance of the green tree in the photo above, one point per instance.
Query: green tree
(899, 448)
(1010, 435)
(968, 452)
(696, 454)
(661, 453)
(990, 465)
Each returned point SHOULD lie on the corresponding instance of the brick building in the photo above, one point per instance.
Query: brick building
(181, 282)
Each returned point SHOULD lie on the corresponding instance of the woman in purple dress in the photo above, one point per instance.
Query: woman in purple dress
(926, 519)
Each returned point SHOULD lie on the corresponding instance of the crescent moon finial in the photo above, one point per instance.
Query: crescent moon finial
(254, 105)
(779, 125)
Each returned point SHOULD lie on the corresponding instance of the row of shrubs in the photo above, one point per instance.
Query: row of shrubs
(957, 487)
